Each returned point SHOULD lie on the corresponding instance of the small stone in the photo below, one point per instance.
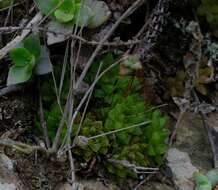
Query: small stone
(7, 186)
(182, 168)
(6, 162)
(9, 180)
(57, 33)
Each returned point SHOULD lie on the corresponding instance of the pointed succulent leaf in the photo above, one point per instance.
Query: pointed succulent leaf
(94, 146)
(151, 150)
(123, 138)
(83, 16)
(65, 12)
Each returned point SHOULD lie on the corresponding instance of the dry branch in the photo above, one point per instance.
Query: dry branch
(12, 44)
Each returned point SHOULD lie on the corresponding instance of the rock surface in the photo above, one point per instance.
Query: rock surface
(180, 164)
(182, 168)
(8, 178)
(191, 151)
(192, 138)
(6, 186)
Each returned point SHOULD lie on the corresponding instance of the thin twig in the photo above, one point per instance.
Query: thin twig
(14, 43)
(136, 169)
(8, 7)
(181, 114)
(119, 130)
(42, 120)
(74, 36)
(209, 133)
(63, 72)
(86, 106)
(72, 168)
(9, 12)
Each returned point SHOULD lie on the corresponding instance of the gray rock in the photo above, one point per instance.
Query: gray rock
(182, 168)
(8, 178)
(57, 33)
(193, 152)
(6, 162)
(7, 186)
(192, 138)
(180, 164)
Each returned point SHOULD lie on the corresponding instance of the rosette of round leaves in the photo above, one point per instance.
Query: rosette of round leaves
(21, 71)
(206, 182)
(100, 10)
(67, 11)
(85, 13)
(212, 176)
(29, 56)
(202, 182)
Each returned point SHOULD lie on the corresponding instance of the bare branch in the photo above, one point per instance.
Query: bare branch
(14, 43)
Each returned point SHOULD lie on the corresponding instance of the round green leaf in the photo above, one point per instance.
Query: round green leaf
(18, 75)
(203, 187)
(63, 16)
(46, 6)
(66, 11)
(213, 176)
(101, 13)
(32, 44)
(202, 182)
(20, 56)
(83, 16)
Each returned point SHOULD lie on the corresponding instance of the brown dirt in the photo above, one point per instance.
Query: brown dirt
(36, 171)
